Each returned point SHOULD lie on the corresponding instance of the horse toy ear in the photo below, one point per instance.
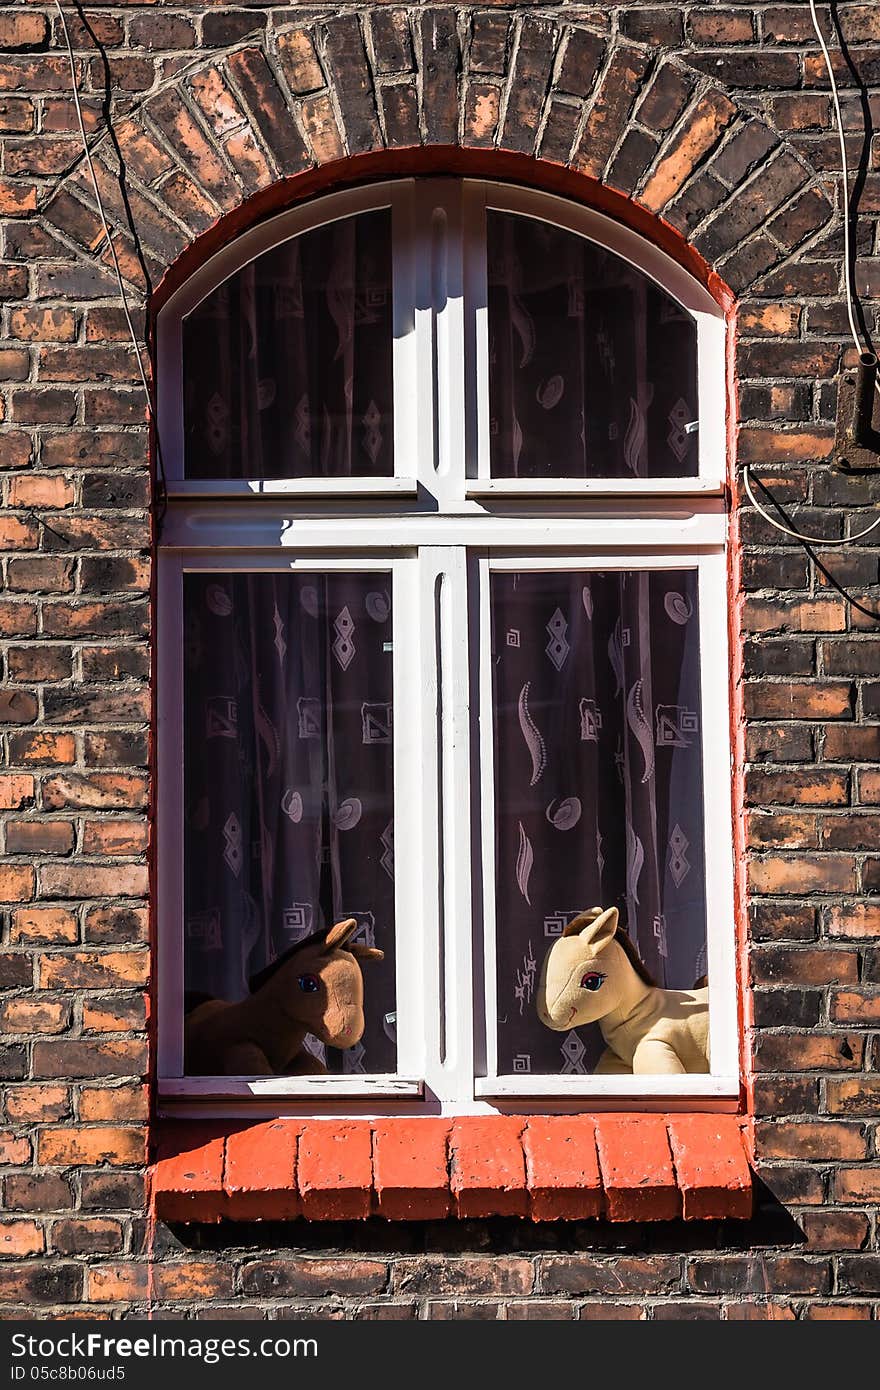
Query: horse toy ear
(337, 936)
(361, 952)
(597, 928)
(339, 939)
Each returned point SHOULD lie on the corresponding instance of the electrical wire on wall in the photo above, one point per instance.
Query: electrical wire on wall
(863, 347)
(161, 489)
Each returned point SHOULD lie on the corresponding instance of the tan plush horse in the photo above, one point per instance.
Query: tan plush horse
(315, 987)
(592, 974)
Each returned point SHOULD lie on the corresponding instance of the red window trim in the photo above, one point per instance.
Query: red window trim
(623, 1167)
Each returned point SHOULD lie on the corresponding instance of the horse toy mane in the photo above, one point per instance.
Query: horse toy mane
(316, 987)
(593, 974)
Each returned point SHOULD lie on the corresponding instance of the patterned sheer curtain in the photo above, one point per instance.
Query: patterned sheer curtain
(288, 780)
(287, 364)
(593, 368)
(598, 783)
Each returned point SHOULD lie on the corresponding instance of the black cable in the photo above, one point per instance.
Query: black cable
(161, 489)
(851, 211)
(823, 569)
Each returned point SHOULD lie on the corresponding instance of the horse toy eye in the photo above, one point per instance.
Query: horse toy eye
(308, 984)
(592, 981)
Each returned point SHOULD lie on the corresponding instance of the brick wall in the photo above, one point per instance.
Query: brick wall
(715, 116)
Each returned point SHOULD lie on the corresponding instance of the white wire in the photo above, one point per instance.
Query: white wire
(862, 345)
(87, 152)
(811, 540)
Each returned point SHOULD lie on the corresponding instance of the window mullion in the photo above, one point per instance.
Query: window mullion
(440, 333)
(444, 778)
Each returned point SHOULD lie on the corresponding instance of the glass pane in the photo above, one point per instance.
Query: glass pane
(287, 365)
(598, 784)
(288, 784)
(592, 367)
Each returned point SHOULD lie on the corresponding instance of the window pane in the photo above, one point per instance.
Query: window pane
(598, 784)
(593, 367)
(287, 365)
(288, 782)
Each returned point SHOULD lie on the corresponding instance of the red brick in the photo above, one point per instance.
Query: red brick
(39, 836)
(299, 62)
(94, 880)
(271, 113)
(36, 573)
(837, 1312)
(711, 1167)
(859, 1008)
(15, 364)
(114, 1103)
(487, 1166)
(41, 746)
(44, 924)
(797, 786)
(116, 1013)
(173, 118)
(92, 1236)
(179, 1282)
(850, 1095)
(33, 1015)
(835, 1230)
(15, 447)
(530, 65)
(20, 1238)
(809, 1052)
(813, 1139)
(334, 1169)
(853, 921)
(115, 837)
(17, 115)
(322, 132)
(192, 1282)
(860, 1185)
(32, 1104)
(14, 1149)
(16, 791)
(93, 970)
(100, 791)
(562, 1168)
(618, 89)
(701, 131)
(636, 1166)
(803, 873)
(410, 1169)
(16, 883)
(39, 663)
(91, 1146)
(75, 1057)
(798, 700)
(260, 1173)
(16, 534)
(188, 1175)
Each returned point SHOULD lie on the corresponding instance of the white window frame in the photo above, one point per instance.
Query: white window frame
(441, 525)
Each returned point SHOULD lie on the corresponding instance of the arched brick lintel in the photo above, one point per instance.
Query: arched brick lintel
(503, 165)
(553, 103)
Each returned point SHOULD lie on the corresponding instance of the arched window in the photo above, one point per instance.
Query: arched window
(443, 635)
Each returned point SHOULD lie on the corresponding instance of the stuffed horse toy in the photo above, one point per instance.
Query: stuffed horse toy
(315, 987)
(592, 974)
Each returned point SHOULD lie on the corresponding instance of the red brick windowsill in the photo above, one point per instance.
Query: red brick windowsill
(624, 1167)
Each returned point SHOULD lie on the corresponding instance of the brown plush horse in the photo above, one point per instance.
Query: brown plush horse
(315, 987)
